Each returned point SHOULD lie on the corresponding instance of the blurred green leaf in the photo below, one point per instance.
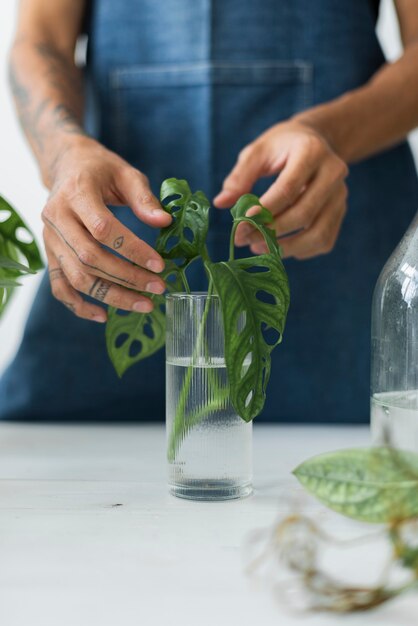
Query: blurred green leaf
(369, 484)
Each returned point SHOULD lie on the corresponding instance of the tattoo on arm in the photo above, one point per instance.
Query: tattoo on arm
(65, 108)
(66, 120)
(93, 267)
(99, 289)
(27, 117)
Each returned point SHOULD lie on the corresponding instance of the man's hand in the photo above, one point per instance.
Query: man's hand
(308, 199)
(78, 224)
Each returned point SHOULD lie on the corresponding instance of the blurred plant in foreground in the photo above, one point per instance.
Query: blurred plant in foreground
(19, 254)
(376, 485)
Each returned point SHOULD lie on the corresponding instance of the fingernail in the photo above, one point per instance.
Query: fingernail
(142, 307)
(154, 265)
(222, 194)
(158, 212)
(155, 287)
(99, 318)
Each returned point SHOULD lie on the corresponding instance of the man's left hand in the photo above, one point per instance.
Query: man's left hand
(308, 199)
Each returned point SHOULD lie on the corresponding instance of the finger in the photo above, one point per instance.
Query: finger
(243, 233)
(101, 290)
(133, 188)
(69, 297)
(320, 238)
(106, 229)
(249, 167)
(306, 209)
(300, 168)
(286, 189)
(91, 259)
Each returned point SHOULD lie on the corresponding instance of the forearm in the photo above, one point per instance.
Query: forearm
(373, 117)
(47, 89)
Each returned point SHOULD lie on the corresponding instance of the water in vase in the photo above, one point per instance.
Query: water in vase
(394, 415)
(209, 447)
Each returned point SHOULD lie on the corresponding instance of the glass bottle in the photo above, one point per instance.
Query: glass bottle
(209, 447)
(394, 379)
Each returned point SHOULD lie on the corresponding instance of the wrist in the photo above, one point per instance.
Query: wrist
(66, 147)
(319, 121)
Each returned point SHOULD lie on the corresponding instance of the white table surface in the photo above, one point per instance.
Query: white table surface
(69, 556)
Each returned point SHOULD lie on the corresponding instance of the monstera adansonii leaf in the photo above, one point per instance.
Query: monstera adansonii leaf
(130, 336)
(259, 220)
(254, 297)
(185, 237)
(11, 243)
(17, 257)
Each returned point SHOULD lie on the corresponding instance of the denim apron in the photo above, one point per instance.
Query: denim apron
(178, 87)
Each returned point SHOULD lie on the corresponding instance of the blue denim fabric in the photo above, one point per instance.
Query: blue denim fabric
(178, 87)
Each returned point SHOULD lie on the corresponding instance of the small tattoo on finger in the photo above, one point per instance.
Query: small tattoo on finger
(55, 274)
(118, 242)
(99, 289)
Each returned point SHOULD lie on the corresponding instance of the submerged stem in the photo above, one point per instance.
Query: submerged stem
(182, 421)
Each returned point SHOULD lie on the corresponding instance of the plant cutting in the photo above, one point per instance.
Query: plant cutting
(248, 298)
(375, 485)
(19, 254)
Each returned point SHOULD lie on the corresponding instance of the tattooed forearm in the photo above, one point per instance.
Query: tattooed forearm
(92, 267)
(63, 76)
(28, 118)
(66, 120)
(99, 289)
(47, 88)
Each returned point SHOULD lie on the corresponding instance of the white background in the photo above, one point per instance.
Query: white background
(19, 179)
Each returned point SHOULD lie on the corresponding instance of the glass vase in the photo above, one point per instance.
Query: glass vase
(394, 380)
(209, 447)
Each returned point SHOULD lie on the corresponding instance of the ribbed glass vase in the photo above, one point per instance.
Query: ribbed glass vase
(209, 447)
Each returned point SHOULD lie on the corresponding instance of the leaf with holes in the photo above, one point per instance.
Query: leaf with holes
(14, 231)
(254, 295)
(259, 221)
(185, 237)
(131, 337)
(13, 250)
(377, 485)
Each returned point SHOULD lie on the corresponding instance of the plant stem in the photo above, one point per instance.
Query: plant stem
(182, 422)
(205, 255)
(184, 279)
(232, 241)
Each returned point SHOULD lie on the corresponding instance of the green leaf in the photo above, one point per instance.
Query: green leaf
(241, 284)
(372, 484)
(185, 237)
(12, 251)
(7, 263)
(259, 221)
(9, 232)
(6, 282)
(131, 337)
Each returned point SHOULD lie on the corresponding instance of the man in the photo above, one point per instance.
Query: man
(298, 90)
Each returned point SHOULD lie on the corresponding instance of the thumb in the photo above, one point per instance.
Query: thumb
(245, 173)
(133, 188)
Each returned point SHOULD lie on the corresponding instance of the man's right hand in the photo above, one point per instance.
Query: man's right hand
(78, 224)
